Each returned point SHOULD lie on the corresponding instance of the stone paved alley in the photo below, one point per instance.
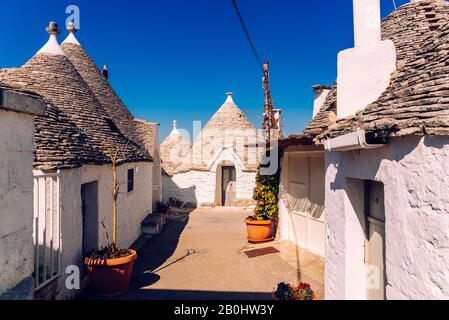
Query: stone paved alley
(201, 257)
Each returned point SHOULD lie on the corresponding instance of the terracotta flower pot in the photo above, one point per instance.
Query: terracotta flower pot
(112, 276)
(259, 231)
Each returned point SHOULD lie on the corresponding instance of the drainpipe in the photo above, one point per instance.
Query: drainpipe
(351, 141)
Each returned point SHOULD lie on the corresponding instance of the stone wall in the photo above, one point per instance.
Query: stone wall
(133, 208)
(415, 174)
(16, 198)
(200, 187)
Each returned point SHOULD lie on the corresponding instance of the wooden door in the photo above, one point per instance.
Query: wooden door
(89, 197)
(228, 187)
(376, 260)
(375, 240)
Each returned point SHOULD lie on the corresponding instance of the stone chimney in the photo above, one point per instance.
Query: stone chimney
(367, 25)
(105, 72)
(364, 72)
(321, 93)
(52, 46)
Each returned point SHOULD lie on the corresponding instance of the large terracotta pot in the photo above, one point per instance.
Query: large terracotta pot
(112, 276)
(259, 231)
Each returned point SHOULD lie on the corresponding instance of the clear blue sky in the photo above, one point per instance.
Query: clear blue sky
(175, 59)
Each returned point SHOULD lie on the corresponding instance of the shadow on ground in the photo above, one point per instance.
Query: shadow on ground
(154, 253)
(149, 294)
(199, 256)
(151, 257)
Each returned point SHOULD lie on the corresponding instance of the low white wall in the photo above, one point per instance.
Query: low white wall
(200, 187)
(415, 174)
(133, 208)
(193, 186)
(16, 198)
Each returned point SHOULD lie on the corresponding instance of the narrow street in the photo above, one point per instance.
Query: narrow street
(202, 257)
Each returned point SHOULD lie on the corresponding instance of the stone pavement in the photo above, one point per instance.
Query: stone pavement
(201, 258)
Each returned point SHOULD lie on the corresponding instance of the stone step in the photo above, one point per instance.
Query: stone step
(153, 224)
(180, 211)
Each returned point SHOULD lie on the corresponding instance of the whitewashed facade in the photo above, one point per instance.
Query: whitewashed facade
(383, 126)
(84, 125)
(414, 172)
(17, 111)
(79, 226)
(387, 207)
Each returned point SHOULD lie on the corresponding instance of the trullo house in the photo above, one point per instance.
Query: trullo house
(84, 124)
(384, 128)
(219, 167)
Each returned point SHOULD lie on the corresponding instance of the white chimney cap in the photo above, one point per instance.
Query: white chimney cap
(71, 28)
(52, 46)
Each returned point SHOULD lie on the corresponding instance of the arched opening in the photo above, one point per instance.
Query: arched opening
(226, 184)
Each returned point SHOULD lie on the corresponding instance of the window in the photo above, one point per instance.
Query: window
(130, 180)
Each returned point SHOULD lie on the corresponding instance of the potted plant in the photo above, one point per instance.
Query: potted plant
(162, 207)
(288, 292)
(110, 269)
(260, 226)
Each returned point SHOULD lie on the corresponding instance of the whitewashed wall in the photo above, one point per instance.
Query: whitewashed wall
(301, 201)
(415, 174)
(133, 208)
(201, 186)
(16, 198)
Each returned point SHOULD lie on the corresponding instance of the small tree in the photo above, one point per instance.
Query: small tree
(112, 251)
(115, 192)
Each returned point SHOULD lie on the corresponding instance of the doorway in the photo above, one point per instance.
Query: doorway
(375, 240)
(228, 185)
(89, 199)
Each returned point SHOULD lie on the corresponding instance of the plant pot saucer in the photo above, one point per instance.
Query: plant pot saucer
(260, 241)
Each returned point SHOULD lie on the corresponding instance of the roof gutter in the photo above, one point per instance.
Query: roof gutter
(352, 141)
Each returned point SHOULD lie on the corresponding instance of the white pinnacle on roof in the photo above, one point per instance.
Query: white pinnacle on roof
(229, 99)
(71, 37)
(52, 46)
(175, 128)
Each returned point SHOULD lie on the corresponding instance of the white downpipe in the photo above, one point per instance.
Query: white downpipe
(351, 141)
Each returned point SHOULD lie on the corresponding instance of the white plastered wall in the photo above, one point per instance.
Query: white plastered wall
(200, 187)
(16, 198)
(415, 174)
(133, 208)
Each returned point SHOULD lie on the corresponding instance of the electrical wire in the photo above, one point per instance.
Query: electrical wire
(398, 18)
(247, 34)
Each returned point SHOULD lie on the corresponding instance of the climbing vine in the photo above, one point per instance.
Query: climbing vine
(266, 195)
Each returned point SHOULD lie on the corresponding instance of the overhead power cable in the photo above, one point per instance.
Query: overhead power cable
(247, 34)
(400, 23)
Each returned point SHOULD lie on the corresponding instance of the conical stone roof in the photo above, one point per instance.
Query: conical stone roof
(229, 129)
(173, 150)
(416, 101)
(75, 130)
(101, 88)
